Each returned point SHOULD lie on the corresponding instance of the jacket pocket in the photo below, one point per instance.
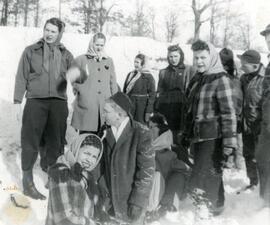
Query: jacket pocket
(207, 129)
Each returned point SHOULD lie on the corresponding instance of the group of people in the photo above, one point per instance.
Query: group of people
(137, 148)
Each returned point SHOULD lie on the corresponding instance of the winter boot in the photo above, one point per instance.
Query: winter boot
(29, 188)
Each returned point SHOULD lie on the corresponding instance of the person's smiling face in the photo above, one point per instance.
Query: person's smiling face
(88, 156)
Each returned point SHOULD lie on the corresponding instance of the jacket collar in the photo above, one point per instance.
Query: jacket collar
(39, 44)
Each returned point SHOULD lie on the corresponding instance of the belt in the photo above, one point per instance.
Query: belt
(139, 95)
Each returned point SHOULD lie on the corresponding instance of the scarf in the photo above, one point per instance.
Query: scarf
(52, 56)
(98, 56)
(131, 80)
(215, 62)
(71, 156)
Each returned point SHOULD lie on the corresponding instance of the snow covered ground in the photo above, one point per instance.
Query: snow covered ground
(243, 209)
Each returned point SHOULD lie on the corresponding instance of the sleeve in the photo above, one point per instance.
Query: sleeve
(125, 83)
(70, 59)
(160, 82)
(152, 94)
(253, 111)
(21, 78)
(227, 112)
(144, 171)
(61, 205)
(78, 71)
(190, 72)
(113, 84)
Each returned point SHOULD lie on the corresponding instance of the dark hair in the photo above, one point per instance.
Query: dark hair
(92, 140)
(56, 22)
(200, 45)
(226, 57)
(99, 35)
(142, 58)
(161, 122)
(176, 48)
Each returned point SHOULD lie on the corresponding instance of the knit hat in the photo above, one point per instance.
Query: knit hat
(123, 101)
(250, 56)
(266, 31)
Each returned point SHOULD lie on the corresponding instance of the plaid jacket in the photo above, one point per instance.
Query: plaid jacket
(211, 109)
(68, 204)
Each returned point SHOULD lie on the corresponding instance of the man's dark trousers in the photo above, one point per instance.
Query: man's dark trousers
(43, 128)
(249, 146)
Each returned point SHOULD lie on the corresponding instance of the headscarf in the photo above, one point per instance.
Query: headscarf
(215, 62)
(52, 56)
(71, 156)
(92, 53)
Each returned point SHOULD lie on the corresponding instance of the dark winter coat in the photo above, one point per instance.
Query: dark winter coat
(142, 95)
(128, 168)
(170, 101)
(32, 79)
(262, 152)
(252, 86)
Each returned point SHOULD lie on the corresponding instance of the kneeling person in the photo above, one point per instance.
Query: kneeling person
(129, 162)
(70, 181)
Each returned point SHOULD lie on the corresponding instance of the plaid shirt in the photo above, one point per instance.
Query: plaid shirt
(68, 204)
(210, 98)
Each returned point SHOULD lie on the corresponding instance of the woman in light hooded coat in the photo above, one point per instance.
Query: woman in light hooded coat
(93, 79)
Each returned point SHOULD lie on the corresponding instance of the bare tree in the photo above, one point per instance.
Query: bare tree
(227, 22)
(198, 11)
(87, 10)
(171, 25)
(104, 14)
(216, 16)
(152, 16)
(5, 12)
(37, 9)
(16, 11)
(138, 23)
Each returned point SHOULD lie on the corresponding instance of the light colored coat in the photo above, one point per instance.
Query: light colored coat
(97, 82)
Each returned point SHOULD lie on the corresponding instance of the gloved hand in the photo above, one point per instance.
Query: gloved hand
(227, 152)
(134, 212)
(76, 172)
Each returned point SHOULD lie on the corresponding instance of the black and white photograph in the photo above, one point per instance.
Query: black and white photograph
(134, 112)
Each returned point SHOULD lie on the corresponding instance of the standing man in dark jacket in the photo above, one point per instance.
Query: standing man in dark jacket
(129, 162)
(41, 75)
(172, 84)
(251, 81)
(210, 125)
(262, 154)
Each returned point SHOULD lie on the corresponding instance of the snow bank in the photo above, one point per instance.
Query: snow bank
(243, 209)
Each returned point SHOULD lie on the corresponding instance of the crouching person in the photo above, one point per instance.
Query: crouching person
(171, 173)
(69, 181)
(129, 162)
